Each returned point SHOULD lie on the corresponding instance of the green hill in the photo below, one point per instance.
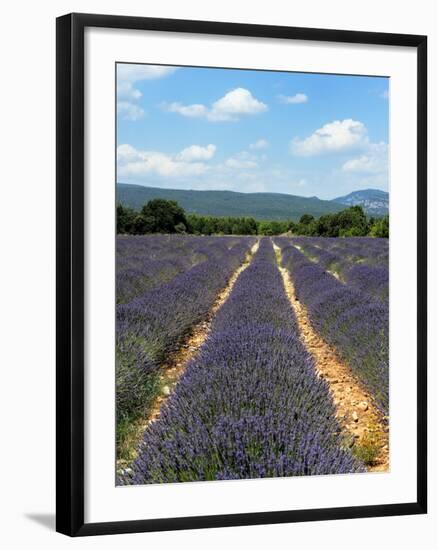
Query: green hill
(262, 206)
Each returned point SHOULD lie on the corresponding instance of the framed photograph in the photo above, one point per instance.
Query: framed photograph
(241, 274)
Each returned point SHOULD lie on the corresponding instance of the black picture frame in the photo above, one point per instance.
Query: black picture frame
(70, 273)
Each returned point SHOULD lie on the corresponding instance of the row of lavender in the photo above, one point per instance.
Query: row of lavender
(250, 405)
(152, 324)
(362, 264)
(368, 249)
(352, 321)
(147, 261)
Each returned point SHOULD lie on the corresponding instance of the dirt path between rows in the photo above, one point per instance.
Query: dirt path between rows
(364, 428)
(177, 361)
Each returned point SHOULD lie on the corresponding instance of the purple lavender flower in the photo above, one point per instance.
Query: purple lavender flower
(250, 404)
(352, 321)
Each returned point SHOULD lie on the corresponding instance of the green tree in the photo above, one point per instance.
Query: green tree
(352, 222)
(306, 219)
(249, 226)
(223, 226)
(292, 227)
(208, 226)
(180, 228)
(380, 227)
(125, 219)
(193, 224)
(273, 227)
(163, 215)
(142, 225)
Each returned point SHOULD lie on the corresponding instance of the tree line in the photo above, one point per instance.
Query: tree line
(166, 216)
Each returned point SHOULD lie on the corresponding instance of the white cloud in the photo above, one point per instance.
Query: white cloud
(194, 111)
(259, 144)
(294, 99)
(242, 160)
(127, 153)
(233, 162)
(236, 103)
(197, 152)
(129, 111)
(373, 161)
(125, 90)
(132, 162)
(385, 94)
(336, 136)
(128, 74)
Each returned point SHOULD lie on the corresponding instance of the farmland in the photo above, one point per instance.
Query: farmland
(242, 357)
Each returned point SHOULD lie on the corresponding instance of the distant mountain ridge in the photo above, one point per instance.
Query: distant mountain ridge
(262, 206)
(373, 201)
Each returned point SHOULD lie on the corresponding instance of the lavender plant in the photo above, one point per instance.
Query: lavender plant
(250, 405)
(352, 321)
(349, 249)
(152, 324)
(358, 262)
(148, 261)
(372, 280)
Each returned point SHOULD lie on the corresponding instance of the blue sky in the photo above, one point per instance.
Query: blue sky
(251, 131)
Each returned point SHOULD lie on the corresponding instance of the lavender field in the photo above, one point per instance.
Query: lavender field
(248, 357)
